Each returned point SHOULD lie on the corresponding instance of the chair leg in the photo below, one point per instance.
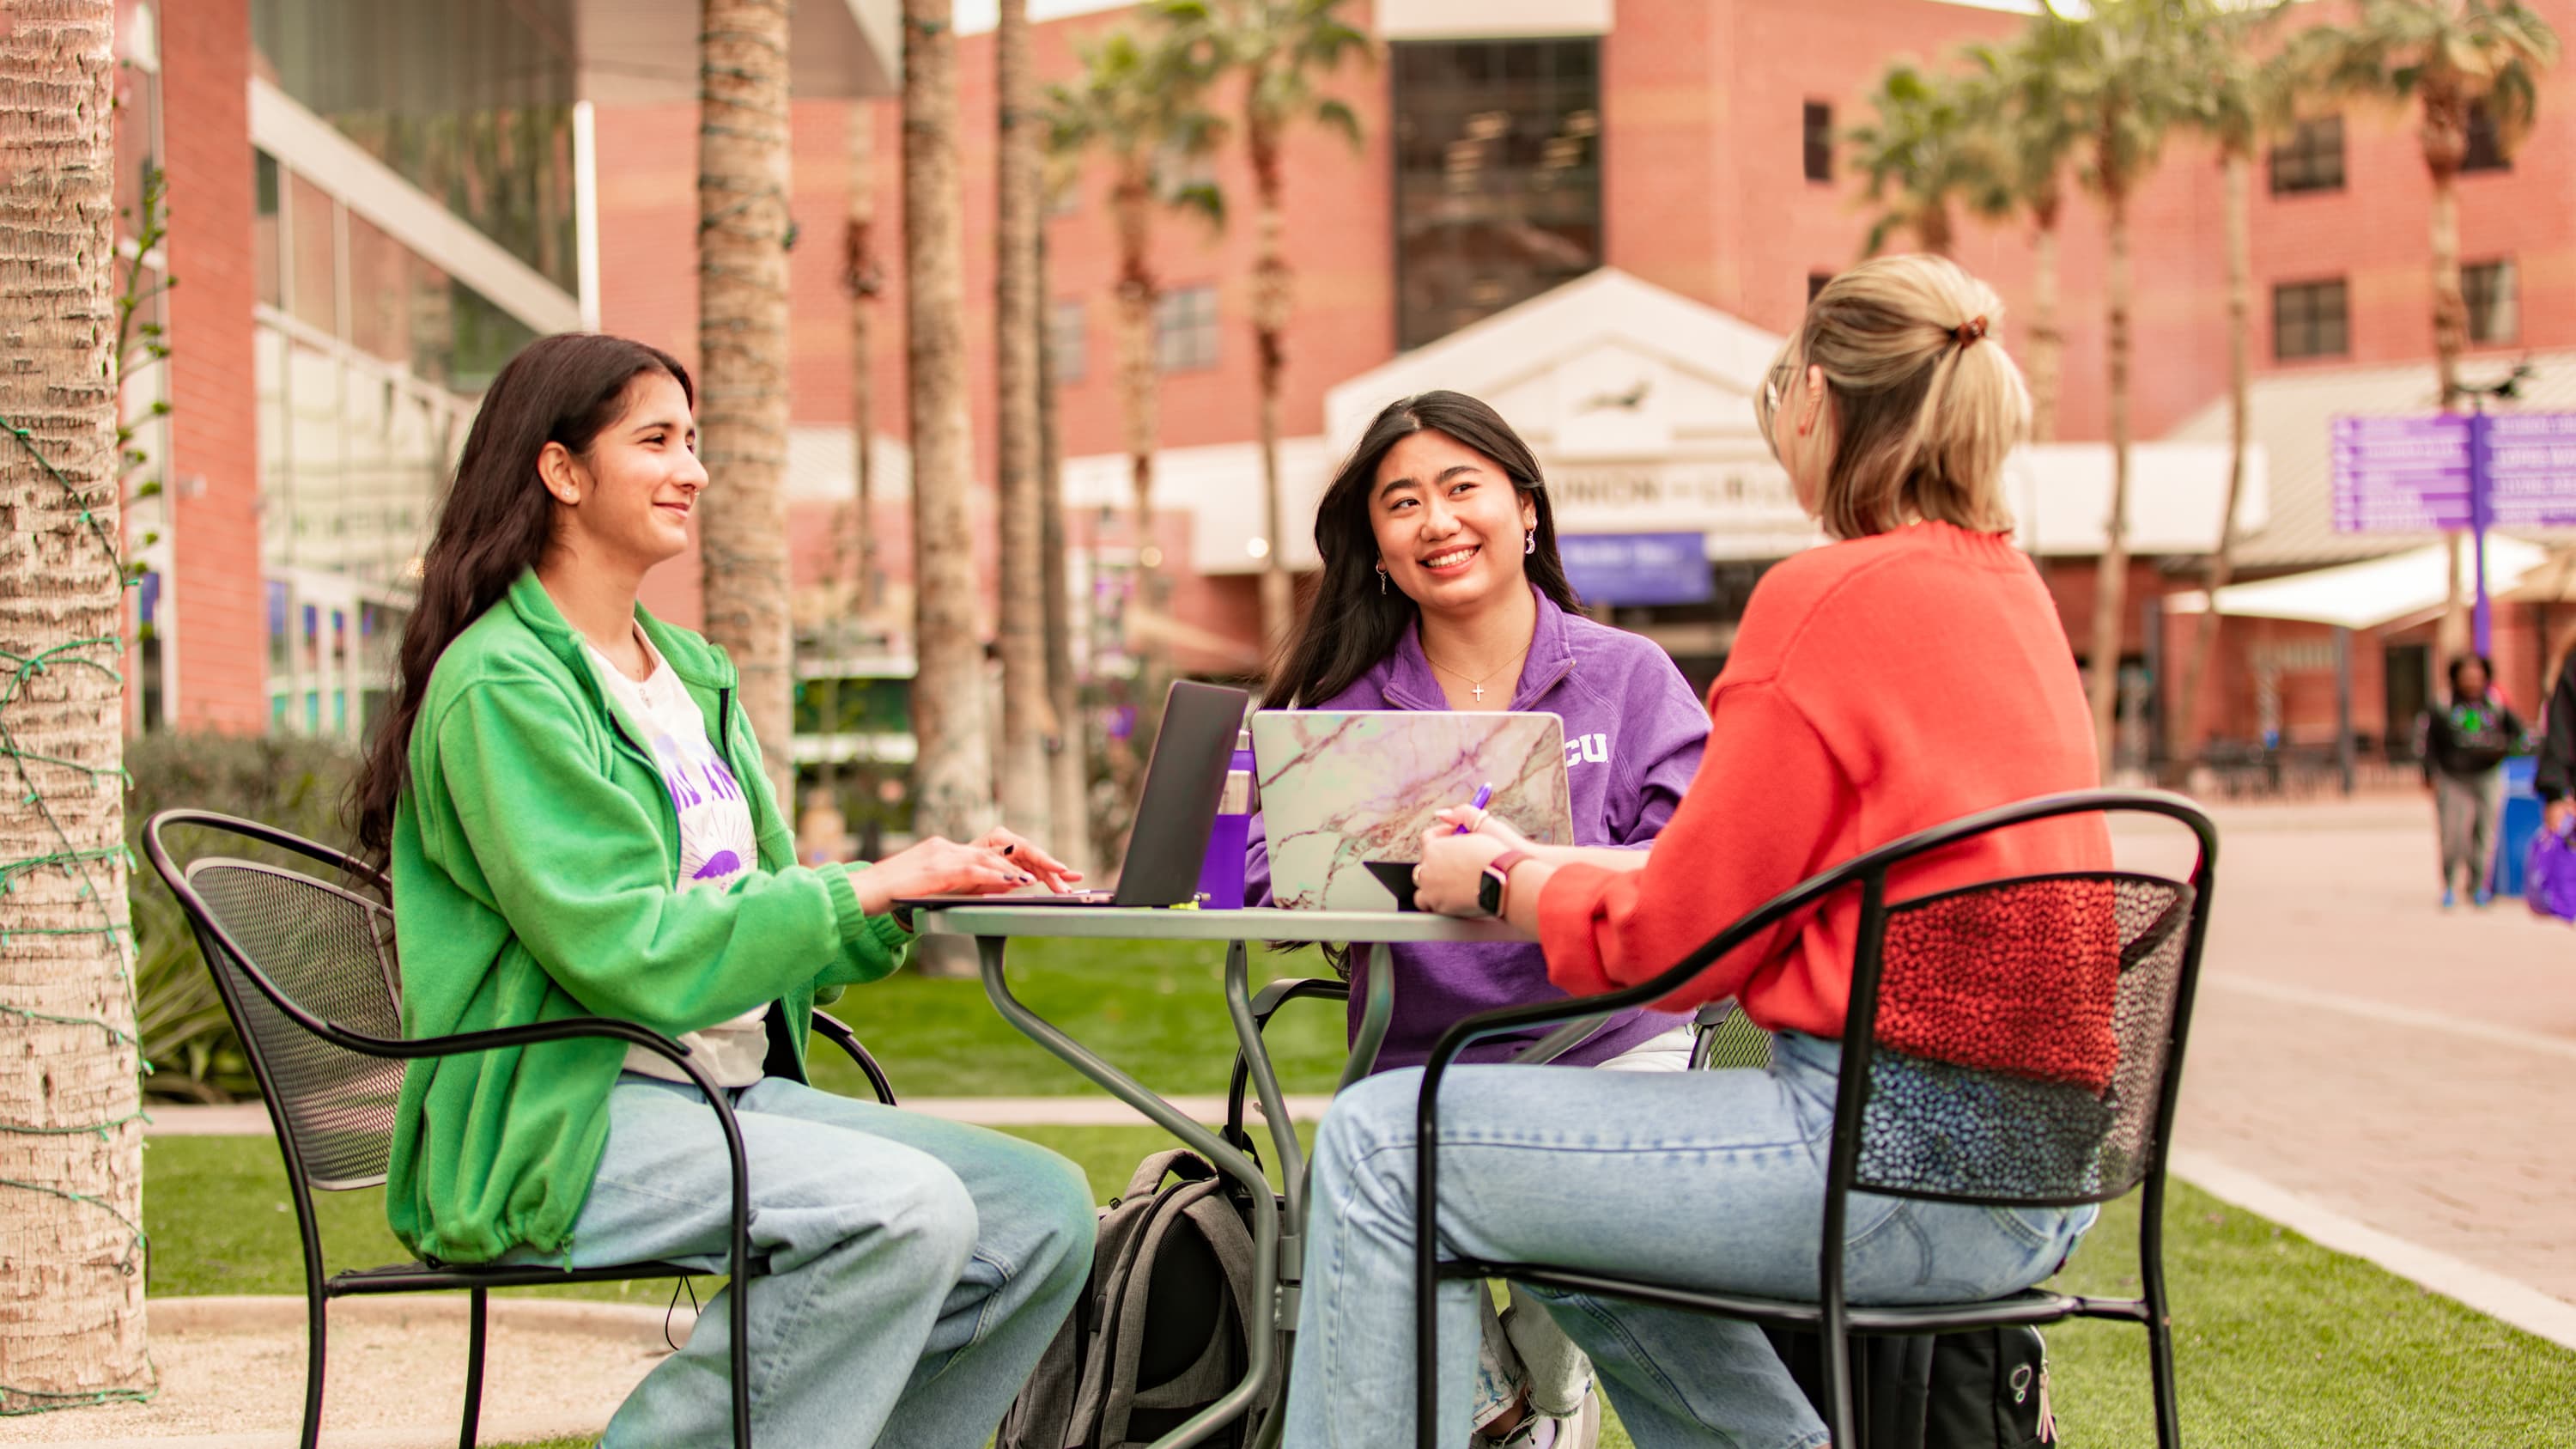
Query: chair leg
(2160, 1373)
(474, 1335)
(316, 1316)
(1835, 1385)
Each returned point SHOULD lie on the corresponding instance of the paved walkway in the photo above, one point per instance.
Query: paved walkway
(2363, 1056)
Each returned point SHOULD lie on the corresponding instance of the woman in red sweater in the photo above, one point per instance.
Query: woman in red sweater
(1911, 672)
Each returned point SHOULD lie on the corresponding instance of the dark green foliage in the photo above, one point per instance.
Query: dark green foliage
(292, 783)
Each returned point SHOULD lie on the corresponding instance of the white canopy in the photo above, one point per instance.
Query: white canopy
(2367, 595)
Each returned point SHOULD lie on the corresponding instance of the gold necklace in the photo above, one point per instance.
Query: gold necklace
(1475, 686)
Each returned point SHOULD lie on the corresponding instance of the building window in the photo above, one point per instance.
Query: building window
(2309, 319)
(1497, 176)
(2494, 306)
(1185, 324)
(2486, 147)
(1816, 283)
(1067, 356)
(1816, 140)
(2311, 159)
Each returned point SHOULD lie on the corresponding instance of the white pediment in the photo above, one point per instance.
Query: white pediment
(1637, 401)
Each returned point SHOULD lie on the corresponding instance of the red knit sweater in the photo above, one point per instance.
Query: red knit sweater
(1876, 687)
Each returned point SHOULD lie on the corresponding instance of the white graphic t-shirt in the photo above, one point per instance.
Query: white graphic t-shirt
(716, 844)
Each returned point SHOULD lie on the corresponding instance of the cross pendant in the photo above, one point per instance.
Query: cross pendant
(1479, 692)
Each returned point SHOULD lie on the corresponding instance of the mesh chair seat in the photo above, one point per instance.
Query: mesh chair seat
(309, 975)
(2010, 1043)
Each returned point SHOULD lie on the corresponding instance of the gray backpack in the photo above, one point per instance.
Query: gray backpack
(1160, 1331)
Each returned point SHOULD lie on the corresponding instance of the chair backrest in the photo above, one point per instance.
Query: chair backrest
(328, 953)
(2022, 1036)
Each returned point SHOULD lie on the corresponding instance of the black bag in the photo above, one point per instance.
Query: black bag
(1985, 1388)
(1160, 1331)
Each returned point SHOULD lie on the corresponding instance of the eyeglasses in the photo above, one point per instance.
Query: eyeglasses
(1775, 388)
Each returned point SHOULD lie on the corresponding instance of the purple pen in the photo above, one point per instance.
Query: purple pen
(1484, 792)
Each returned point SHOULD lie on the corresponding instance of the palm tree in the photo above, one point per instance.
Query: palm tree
(743, 234)
(2454, 59)
(1282, 49)
(1139, 103)
(865, 281)
(951, 791)
(2240, 97)
(1922, 156)
(2120, 75)
(72, 1170)
(1067, 742)
(1018, 321)
(2031, 134)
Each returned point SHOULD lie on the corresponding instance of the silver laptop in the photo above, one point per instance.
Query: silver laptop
(1340, 787)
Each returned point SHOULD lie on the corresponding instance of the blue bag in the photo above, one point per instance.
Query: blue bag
(2549, 876)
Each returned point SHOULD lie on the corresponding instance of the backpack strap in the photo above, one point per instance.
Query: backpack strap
(1204, 1210)
(1179, 1162)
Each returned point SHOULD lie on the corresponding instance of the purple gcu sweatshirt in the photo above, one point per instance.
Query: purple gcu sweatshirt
(1633, 733)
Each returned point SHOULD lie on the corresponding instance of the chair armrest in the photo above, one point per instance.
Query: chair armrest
(838, 1033)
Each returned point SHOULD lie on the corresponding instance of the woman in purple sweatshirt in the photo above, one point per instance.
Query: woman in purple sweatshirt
(1442, 589)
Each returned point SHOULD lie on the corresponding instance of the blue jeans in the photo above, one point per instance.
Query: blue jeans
(917, 1267)
(1708, 1179)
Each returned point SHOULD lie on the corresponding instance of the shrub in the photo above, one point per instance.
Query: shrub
(292, 783)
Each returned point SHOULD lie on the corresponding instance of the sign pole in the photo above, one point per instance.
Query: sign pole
(2481, 507)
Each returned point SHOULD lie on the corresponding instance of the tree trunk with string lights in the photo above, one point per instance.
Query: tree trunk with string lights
(1272, 297)
(71, 1142)
(1131, 207)
(2111, 579)
(743, 235)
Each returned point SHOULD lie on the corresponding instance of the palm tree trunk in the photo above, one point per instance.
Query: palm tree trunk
(1271, 301)
(1138, 397)
(2110, 582)
(2238, 173)
(1068, 743)
(2047, 336)
(1016, 328)
(860, 275)
(743, 226)
(71, 1179)
(951, 796)
(2450, 339)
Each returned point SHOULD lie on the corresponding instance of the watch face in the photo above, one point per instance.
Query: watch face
(1489, 893)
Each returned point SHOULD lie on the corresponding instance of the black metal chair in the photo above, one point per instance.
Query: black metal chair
(1922, 1109)
(309, 976)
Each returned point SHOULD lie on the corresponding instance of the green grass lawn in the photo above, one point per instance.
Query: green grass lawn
(2282, 1344)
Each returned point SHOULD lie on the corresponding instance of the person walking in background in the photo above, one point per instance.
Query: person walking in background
(2463, 746)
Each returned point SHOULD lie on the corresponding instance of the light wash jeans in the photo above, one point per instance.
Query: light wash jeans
(1711, 1179)
(917, 1267)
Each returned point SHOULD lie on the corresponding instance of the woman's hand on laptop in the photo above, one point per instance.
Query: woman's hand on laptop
(1452, 866)
(935, 867)
(1025, 853)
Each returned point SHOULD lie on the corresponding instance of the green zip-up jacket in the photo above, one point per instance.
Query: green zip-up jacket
(533, 865)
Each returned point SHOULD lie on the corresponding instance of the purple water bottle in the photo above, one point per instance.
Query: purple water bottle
(1221, 873)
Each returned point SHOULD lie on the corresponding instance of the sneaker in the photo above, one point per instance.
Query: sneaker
(2483, 899)
(2448, 899)
(1578, 1430)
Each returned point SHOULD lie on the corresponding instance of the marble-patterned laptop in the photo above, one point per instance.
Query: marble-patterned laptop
(1340, 787)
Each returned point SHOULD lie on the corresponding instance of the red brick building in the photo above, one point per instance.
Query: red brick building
(1507, 147)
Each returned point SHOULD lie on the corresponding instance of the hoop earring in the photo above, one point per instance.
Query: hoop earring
(1529, 542)
(1381, 578)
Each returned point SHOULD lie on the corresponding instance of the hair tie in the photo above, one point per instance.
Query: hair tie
(1968, 331)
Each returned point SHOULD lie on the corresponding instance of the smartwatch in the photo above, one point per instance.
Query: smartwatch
(1496, 880)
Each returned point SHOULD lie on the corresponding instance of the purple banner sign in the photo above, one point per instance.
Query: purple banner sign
(2531, 470)
(1637, 568)
(2407, 475)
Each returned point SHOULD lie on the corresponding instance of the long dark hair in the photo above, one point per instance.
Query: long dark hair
(1353, 624)
(494, 527)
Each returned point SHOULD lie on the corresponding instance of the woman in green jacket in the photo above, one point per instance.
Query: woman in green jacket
(576, 821)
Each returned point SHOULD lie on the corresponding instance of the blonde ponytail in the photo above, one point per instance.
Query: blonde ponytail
(1926, 403)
